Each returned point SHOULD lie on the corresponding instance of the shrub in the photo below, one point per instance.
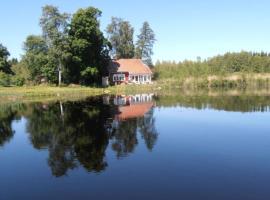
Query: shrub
(4, 79)
(18, 81)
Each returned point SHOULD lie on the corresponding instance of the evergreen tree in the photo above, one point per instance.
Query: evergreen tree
(145, 43)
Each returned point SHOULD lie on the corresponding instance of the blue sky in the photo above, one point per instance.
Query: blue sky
(184, 29)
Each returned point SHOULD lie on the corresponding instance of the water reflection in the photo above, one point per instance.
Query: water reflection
(6, 132)
(7, 115)
(134, 114)
(234, 103)
(73, 132)
(80, 133)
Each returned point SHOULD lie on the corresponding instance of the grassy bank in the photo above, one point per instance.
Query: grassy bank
(238, 81)
(28, 93)
(46, 93)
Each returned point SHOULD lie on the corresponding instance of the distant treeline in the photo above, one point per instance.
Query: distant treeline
(73, 49)
(248, 62)
(229, 71)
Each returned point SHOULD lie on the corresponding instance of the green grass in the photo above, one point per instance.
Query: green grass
(33, 93)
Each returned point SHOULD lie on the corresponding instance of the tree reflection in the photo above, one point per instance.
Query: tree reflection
(125, 137)
(148, 129)
(78, 133)
(7, 115)
(235, 103)
(74, 134)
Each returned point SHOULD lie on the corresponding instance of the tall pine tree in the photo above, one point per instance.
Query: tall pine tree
(145, 43)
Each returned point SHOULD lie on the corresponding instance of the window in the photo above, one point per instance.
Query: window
(118, 77)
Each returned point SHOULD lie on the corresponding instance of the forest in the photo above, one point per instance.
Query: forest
(228, 70)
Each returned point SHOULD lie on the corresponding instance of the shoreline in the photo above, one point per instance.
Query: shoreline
(10, 95)
(230, 84)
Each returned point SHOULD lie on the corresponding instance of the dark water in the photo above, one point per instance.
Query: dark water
(140, 147)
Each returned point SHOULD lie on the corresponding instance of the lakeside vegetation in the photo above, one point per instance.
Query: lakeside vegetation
(231, 70)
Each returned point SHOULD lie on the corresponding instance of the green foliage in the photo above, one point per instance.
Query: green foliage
(4, 64)
(245, 62)
(145, 43)
(36, 57)
(4, 79)
(88, 47)
(18, 81)
(120, 35)
(54, 26)
(35, 44)
(89, 75)
(55, 33)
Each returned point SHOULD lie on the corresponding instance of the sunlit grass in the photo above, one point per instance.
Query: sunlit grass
(29, 93)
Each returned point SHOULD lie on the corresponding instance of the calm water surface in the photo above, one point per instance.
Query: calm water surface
(137, 147)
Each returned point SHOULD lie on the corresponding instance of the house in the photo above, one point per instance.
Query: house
(127, 71)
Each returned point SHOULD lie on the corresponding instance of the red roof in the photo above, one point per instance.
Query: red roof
(133, 66)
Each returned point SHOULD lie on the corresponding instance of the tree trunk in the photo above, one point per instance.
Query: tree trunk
(61, 110)
(59, 74)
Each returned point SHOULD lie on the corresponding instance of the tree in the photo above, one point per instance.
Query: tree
(120, 34)
(5, 66)
(36, 57)
(13, 61)
(21, 74)
(89, 48)
(55, 32)
(35, 44)
(145, 43)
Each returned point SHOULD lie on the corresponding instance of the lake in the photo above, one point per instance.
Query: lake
(137, 147)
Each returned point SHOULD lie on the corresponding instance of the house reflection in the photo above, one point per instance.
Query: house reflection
(133, 115)
(133, 106)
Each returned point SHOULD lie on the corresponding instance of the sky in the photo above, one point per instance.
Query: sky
(185, 29)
